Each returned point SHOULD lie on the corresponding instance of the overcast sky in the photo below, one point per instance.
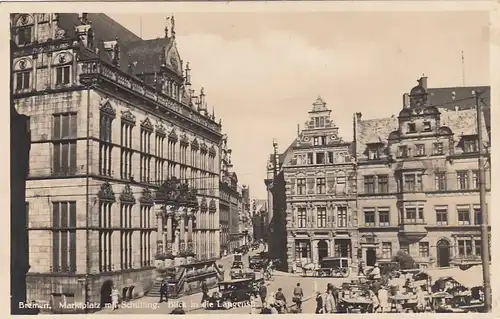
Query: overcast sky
(263, 71)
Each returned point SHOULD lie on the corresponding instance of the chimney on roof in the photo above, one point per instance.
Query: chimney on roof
(298, 130)
(113, 49)
(85, 34)
(423, 81)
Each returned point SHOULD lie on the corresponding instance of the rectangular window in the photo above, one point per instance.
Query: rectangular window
(369, 182)
(478, 217)
(65, 131)
(126, 151)
(440, 181)
(470, 146)
(301, 186)
(23, 80)
(310, 158)
(386, 250)
(437, 148)
(64, 236)
(320, 185)
(24, 35)
(105, 234)
(462, 180)
(373, 153)
(105, 146)
(341, 216)
(320, 158)
(411, 128)
(427, 126)
(63, 75)
(321, 220)
(145, 158)
(316, 141)
(420, 150)
(463, 215)
(441, 215)
(330, 158)
(384, 217)
(464, 247)
(369, 217)
(403, 151)
(423, 249)
(301, 217)
(475, 179)
(410, 183)
(477, 247)
(413, 214)
(383, 184)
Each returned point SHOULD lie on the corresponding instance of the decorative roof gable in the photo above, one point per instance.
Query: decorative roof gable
(106, 193)
(184, 139)
(204, 205)
(107, 109)
(212, 152)
(203, 147)
(128, 117)
(212, 207)
(146, 124)
(194, 145)
(147, 197)
(160, 128)
(173, 135)
(127, 195)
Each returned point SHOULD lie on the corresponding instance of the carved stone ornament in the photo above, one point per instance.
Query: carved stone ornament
(147, 124)
(106, 192)
(293, 233)
(331, 234)
(175, 192)
(107, 108)
(212, 208)
(204, 205)
(194, 145)
(310, 234)
(168, 248)
(127, 196)
(184, 140)
(204, 147)
(160, 128)
(22, 64)
(128, 117)
(147, 197)
(212, 152)
(173, 135)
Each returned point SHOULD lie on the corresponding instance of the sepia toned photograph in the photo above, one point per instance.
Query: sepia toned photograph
(250, 162)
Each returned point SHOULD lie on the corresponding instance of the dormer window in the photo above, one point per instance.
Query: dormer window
(412, 128)
(373, 153)
(470, 145)
(403, 151)
(427, 126)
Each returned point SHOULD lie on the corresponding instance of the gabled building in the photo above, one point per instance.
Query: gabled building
(418, 179)
(113, 117)
(320, 192)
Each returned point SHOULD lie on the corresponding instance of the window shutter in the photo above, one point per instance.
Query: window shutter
(65, 158)
(73, 126)
(64, 214)
(57, 127)
(72, 158)
(72, 214)
(72, 251)
(64, 251)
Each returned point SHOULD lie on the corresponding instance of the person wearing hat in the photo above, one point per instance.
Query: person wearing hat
(375, 273)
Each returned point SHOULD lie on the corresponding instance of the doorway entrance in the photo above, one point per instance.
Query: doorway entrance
(106, 292)
(371, 256)
(322, 249)
(443, 253)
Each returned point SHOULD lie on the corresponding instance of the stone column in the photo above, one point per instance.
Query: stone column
(190, 231)
(182, 230)
(169, 233)
(160, 242)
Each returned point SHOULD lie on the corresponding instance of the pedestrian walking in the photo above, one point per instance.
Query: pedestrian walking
(163, 291)
(294, 267)
(319, 303)
(329, 302)
(263, 292)
(383, 297)
(115, 295)
(298, 294)
(204, 291)
(361, 268)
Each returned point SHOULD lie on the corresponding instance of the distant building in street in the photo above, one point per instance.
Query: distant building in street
(244, 216)
(113, 117)
(320, 192)
(418, 178)
(229, 201)
(259, 219)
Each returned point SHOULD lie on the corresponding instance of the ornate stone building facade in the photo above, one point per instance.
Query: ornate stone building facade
(113, 117)
(418, 184)
(320, 192)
